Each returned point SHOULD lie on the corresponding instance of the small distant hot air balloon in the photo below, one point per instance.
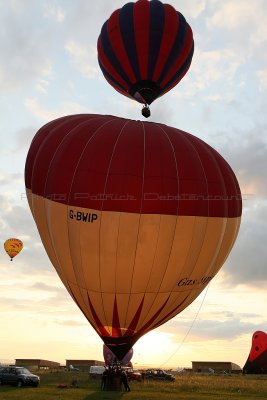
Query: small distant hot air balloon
(110, 357)
(144, 49)
(13, 247)
(136, 217)
(257, 359)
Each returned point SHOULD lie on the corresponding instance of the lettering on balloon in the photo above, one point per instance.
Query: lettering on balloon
(82, 216)
(194, 282)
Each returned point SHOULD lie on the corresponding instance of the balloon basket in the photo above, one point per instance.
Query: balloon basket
(113, 382)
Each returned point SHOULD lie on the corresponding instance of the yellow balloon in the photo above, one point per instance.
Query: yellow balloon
(13, 247)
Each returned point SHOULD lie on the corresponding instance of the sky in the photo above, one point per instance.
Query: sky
(48, 69)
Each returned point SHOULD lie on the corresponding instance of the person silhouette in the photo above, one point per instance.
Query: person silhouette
(124, 381)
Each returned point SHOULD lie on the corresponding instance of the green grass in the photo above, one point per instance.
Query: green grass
(185, 387)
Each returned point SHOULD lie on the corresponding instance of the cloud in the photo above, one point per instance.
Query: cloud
(239, 16)
(24, 137)
(237, 20)
(193, 8)
(262, 77)
(84, 58)
(41, 112)
(71, 323)
(208, 71)
(247, 263)
(248, 157)
(213, 322)
(218, 330)
(247, 154)
(42, 85)
(232, 15)
(26, 52)
(18, 220)
(43, 291)
(55, 12)
(13, 179)
(42, 286)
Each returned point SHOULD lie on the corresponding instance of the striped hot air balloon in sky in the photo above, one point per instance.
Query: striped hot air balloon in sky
(136, 217)
(145, 49)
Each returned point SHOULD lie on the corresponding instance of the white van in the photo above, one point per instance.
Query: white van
(96, 371)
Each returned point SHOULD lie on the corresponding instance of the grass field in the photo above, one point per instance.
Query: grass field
(193, 387)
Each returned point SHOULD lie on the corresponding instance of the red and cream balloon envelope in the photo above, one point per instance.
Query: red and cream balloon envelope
(136, 217)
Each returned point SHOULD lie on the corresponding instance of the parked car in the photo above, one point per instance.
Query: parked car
(18, 376)
(159, 375)
(133, 375)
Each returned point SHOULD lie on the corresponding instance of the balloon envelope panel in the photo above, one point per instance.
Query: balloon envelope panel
(136, 217)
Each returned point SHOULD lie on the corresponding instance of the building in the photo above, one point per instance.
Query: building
(216, 366)
(82, 365)
(33, 363)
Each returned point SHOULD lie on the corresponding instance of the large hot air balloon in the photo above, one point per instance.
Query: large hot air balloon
(136, 217)
(13, 247)
(145, 49)
(110, 358)
(257, 359)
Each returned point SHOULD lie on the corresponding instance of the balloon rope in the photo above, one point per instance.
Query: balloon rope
(190, 327)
